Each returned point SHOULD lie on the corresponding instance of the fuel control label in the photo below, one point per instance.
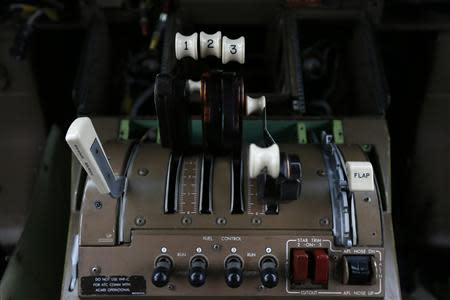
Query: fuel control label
(113, 285)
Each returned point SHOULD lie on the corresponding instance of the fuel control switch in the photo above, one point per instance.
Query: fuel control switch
(233, 271)
(268, 272)
(197, 271)
(161, 273)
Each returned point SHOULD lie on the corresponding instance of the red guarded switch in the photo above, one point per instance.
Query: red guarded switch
(299, 266)
(321, 266)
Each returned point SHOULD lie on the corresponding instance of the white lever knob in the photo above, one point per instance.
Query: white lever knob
(260, 158)
(86, 146)
(233, 50)
(193, 86)
(255, 105)
(211, 44)
(186, 46)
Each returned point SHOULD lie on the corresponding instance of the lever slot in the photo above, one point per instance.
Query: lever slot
(237, 199)
(170, 198)
(206, 184)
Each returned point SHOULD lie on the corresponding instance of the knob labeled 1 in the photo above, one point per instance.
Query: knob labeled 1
(233, 50)
(186, 46)
(211, 44)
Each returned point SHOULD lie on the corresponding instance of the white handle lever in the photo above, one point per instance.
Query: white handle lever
(260, 158)
(186, 45)
(86, 146)
(233, 50)
(193, 86)
(255, 105)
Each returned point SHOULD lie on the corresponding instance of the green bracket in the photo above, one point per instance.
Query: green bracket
(302, 136)
(124, 129)
(338, 132)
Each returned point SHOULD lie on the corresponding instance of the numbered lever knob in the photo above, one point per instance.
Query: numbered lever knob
(233, 272)
(197, 271)
(211, 44)
(186, 46)
(268, 272)
(260, 158)
(87, 148)
(233, 50)
(161, 273)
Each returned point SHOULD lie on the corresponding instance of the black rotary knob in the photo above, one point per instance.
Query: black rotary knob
(197, 271)
(161, 273)
(268, 272)
(233, 272)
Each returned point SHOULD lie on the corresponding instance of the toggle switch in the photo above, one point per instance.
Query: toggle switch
(268, 272)
(87, 148)
(197, 271)
(360, 176)
(233, 50)
(260, 158)
(254, 105)
(299, 266)
(321, 266)
(161, 273)
(186, 46)
(233, 271)
(211, 44)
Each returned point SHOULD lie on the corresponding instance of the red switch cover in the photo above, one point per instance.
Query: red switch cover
(299, 266)
(321, 266)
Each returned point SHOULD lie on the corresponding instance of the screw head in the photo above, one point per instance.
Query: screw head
(221, 221)
(140, 221)
(324, 221)
(186, 221)
(256, 221)
(143, 172)
(96, 270)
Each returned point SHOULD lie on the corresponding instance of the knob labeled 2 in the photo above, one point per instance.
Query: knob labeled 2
(186, 46)
(197, 271)
(233, 50)
(211, 44)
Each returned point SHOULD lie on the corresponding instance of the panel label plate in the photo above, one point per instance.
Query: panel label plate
(113, 285)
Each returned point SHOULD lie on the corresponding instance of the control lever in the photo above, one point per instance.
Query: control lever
(260, 158)
(86, 146)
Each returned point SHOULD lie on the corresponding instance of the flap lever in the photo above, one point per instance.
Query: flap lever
(86, 146)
